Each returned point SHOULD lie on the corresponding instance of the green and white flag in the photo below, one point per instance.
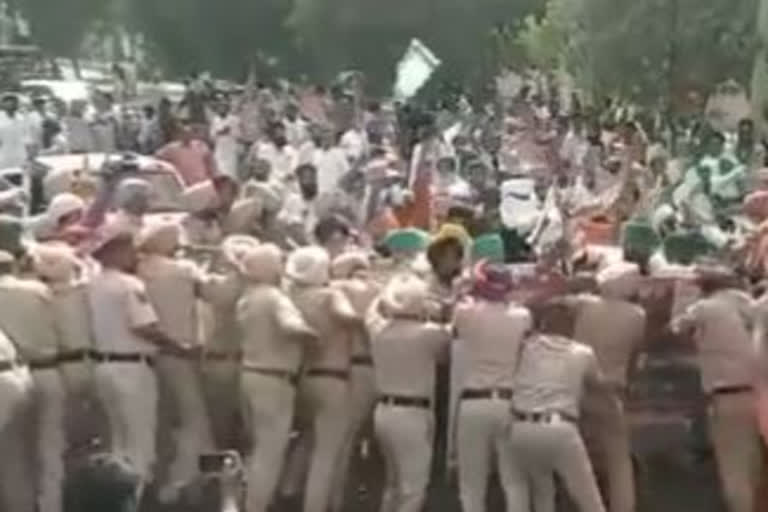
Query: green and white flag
(414, 70)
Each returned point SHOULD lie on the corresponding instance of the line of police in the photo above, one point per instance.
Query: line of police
(325, 341)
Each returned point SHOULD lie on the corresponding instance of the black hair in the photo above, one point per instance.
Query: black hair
(103, 482)
(327, 227)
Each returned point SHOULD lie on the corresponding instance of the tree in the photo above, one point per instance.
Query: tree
(59, 26)
(648, 50)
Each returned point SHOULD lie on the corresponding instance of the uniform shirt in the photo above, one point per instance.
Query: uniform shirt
(613, 328)
(119, 304)
(722, 335)
(72, 315)
(361, 294)
(172, 289)
(222, 292)
(317, 305)
(267, 319)
(26, 317)
(491, 334)
(552, 374)
(405, 353)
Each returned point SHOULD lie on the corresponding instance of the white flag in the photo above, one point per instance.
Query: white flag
(414, 69)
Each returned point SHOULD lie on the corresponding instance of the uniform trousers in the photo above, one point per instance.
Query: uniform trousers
(541, 450)
(49, 397)
(270, 405)
(362, 399)
(16, 474)
(482, 438)
(606, 434)
(128, 392)
(221, 385)
(405, 436)
(329, 401)
(738, 449)
(191, 428)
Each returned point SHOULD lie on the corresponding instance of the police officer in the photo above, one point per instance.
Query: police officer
(350, 272)
(27, 318)
(552, 375)
(490, 331)
(222, 350)
(325, 384)
(57, 266)
(721, 323)
(16, 392)
(274, 343)
(614, 328)
(127, 336)
(173, 286)
(405, 353)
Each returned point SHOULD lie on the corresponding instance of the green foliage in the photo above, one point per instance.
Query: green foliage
(59, 26)
(646, 50)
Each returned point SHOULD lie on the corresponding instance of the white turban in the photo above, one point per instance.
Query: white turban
(309, 266)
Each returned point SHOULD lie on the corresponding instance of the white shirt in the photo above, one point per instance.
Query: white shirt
(225, 152)
(296, 132)
(119, 304)
(353, 143)
(574, 149)
(331, 165)
(14, 137)
(283, 161)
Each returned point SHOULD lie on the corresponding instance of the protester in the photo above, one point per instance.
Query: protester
(190, 156)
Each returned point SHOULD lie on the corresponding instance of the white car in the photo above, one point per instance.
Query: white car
(67, 173)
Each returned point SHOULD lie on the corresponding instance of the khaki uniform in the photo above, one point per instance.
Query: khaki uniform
(124, 376)
(272, 327)
(614, 329)
(27, 318)
(728, 363)
(362, 383)
(73, 321)
(221, 369)
(325, 386)
(491, 334)
(172, 287)
(405, 354)
(551, 377)
(15, 390)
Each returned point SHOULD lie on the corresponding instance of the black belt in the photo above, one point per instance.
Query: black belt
(733, 390)
(214, 356)
(362, 361)
(543, 417)
(117, 357)
(405, 401)
(44, 363)
(285, 375)
(75, 356)
(6, 366)
(330, 373)
(486, 394)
